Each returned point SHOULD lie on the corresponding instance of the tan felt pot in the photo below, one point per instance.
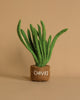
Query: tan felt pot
(40, 73)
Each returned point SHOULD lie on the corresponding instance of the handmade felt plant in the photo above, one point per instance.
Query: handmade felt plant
(35, 41)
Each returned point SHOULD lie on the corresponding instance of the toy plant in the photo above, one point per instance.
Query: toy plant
(40, 48)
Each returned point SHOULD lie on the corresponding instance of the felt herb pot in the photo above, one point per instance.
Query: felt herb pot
(40, 48)
(40, 73)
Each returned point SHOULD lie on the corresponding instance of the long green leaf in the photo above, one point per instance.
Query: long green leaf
(43, 38)
(54, 41)
(34, 33)
(30, 41)
(20, 37)
(25, 38)
(40, 46)
(39, 32)
(49, 42)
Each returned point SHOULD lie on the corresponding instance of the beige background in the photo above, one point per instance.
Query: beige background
(15, 60)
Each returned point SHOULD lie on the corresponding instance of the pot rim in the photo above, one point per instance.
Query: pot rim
(40, 67)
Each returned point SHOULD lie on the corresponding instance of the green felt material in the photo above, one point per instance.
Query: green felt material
(35, 41)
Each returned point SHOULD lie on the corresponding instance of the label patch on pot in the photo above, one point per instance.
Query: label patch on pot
(45, 73)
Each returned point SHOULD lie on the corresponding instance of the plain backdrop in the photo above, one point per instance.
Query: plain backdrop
(15, 59)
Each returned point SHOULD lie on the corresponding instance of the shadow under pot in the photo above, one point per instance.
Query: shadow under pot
(40, 73)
